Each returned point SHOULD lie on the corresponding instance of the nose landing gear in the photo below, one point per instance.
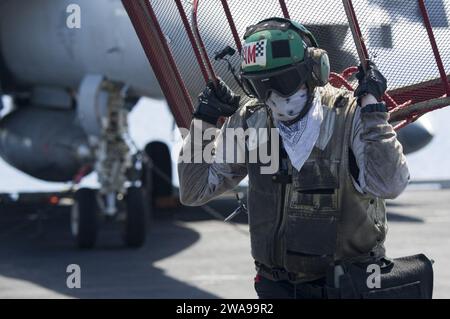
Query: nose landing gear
(103, 110)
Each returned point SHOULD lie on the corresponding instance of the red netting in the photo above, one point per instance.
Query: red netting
(393, 30)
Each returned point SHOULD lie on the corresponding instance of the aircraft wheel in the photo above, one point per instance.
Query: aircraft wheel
(84, 218)
(158, 172)
(136, 217)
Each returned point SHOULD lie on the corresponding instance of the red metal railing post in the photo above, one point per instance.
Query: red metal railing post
(198, 39)
(284, 9)
(160, 57)
(356, 32)
(190, 35)
(437, 55)
(236, 37)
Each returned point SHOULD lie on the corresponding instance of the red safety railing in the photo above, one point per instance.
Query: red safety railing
(415, 90)
(191, 36)
(158, 53)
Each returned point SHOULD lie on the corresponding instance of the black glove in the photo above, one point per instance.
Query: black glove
(215, 102)
(370, 82)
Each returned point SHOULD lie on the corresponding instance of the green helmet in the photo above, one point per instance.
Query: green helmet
(281, 55)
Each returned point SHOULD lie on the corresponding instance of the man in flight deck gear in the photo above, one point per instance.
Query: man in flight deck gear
(339, 160)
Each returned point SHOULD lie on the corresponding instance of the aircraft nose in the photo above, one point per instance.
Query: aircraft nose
(415, 136)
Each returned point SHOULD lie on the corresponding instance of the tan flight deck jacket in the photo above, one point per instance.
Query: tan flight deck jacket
(322, 213)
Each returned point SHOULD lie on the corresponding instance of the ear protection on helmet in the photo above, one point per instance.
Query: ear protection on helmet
(320, 66)
(316, 58)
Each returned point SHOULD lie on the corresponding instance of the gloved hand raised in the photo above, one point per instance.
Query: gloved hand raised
(370, 82)
(215, 102)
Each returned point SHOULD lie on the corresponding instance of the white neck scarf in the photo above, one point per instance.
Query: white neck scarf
(299, 138)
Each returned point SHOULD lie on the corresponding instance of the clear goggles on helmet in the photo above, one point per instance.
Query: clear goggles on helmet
(285, 82)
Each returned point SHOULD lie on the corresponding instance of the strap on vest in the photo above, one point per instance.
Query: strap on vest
(278, 274)
(275, 274)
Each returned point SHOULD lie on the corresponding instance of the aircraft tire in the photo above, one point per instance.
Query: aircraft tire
(136, 217)
(84, 218)
(158, 172)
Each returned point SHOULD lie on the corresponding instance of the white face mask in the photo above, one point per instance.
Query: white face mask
(300, 137)
(287, 109)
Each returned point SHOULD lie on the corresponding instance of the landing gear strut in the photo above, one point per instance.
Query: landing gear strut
(103, 111)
